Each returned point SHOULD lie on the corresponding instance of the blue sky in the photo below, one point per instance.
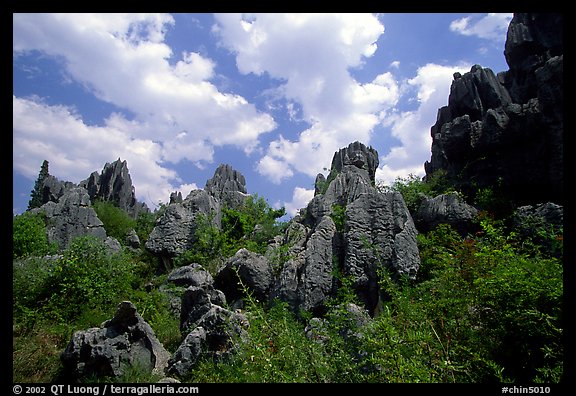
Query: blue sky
(273, 95)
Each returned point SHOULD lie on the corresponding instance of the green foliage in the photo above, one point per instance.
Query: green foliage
(414, 189)
(338, 215)
(541, 238)
(250, 226)
(117, 222)
(88, 275)
(154, 307)
(145, 224)
(486, 308)
(29, 236)
(36, 193)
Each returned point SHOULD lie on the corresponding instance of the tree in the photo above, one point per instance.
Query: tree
(36, 194)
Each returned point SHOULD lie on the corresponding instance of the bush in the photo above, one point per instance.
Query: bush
(117, 222)
(89, 275)
(250, 226)
(414, 189)
(29, 236)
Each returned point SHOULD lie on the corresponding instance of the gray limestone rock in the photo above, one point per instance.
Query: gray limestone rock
(351, 228)
(446, 209)
(124, 341)
(114, 184)
(307, 279)
(174, 230)
(228, 186)
(211, 329)
(379, 233)
(506, 131)
(253, 270)
(191, 275)
(70, 217)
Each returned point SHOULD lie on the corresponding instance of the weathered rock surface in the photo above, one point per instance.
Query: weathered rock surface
(174, 230)
(124, 341)
(53, 189)
(68, 206)
(114, 184)
(307, 279)
(228, 186)
(191, 275)
(70, 217)
(446, 209)
(506, 131)
(372, 230)
(379, 233)
(210, 328)
(245, 269)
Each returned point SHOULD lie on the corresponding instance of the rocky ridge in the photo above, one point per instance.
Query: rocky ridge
(505, 131)
(68, 207)
(349, 228)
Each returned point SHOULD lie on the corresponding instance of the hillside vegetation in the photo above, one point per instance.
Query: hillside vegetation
(483, 308)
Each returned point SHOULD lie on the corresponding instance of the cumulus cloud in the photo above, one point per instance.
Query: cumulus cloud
(175, 111)
(300, 198)
(431, 87)
(311, 55)
(88, 148)
(490, 26)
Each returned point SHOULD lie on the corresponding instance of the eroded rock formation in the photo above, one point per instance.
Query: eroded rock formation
(351, 228)
(505, 131)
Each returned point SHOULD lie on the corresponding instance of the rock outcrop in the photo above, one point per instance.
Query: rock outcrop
(228, 186)
(122, 342)
(68, 206)
(174, 231)
(70, 217)
(448, 209)
(351, 228)
(114, 184)
(505, 131)
(210, 329)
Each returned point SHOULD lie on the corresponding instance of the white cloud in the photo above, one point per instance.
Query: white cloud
(432, 84)
(300, 198)
(41, 131)
(122, 59)
(311, 55)
(490, 26)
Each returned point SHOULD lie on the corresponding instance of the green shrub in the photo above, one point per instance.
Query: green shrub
(89, 275)
(414, 189)
(338, 215)
(29, 236)
(144, 225)
(117, 222)
(250, 226)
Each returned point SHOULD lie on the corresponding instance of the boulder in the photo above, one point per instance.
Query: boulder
(210, 329)
(446, 209)
(245, 269)
(72, 216)
(191, 275)
(124, 341)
